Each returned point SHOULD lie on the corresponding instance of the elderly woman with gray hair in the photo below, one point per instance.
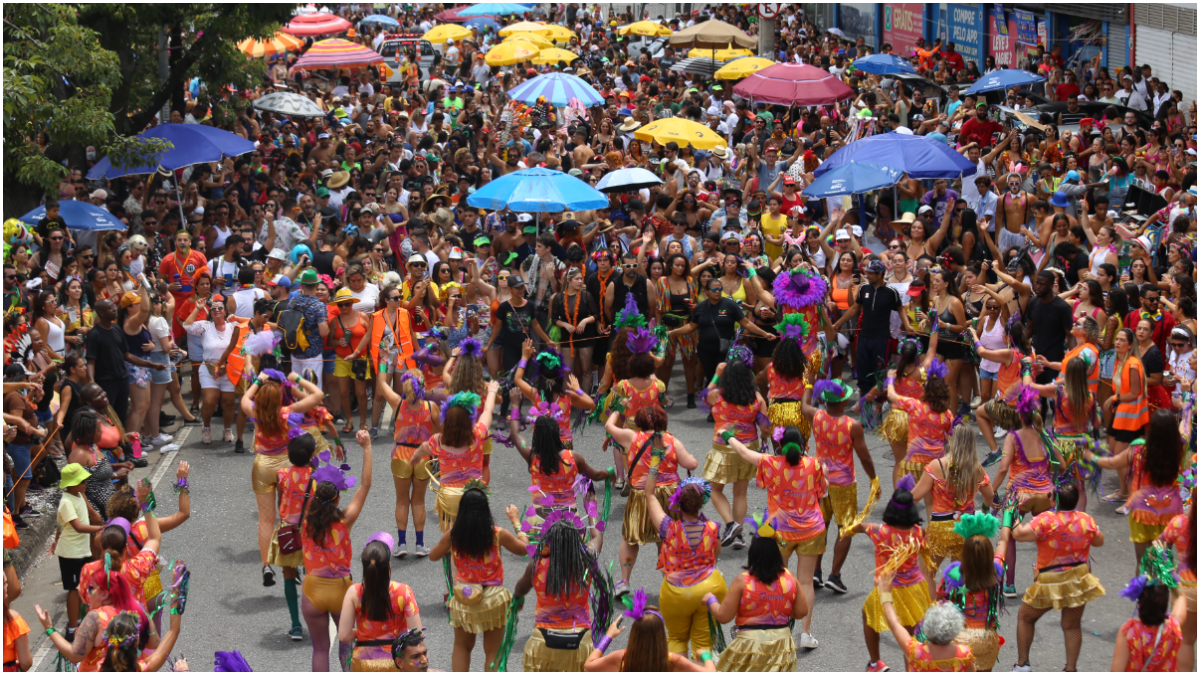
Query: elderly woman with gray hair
(941, 625)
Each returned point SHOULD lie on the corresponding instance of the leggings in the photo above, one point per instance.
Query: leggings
(685, 615)
(709, 360)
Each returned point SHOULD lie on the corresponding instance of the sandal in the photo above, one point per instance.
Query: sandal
(349, 428)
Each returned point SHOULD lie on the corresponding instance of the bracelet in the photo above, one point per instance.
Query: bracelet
(808, 385)
(889, 381)
(51, 631)
(580, 392)
(181, 486)
(715, 380)
(257, 382)
(603, 644)
(515, 415)
(522, 363)
(885, 597)
(706, 656)
(726, 435)
(978, 344)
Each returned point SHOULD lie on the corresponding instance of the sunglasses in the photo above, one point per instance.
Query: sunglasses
(714, 289)
(56, 238)
(417, 264)
(894, 246)
(1154, 300)
(630, 266)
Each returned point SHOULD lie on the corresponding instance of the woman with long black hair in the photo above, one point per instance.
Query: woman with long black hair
(555, 390)
(909, 382)
(480, 601)
(553, 467)
(378, 610)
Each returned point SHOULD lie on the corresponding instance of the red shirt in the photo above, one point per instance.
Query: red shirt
(979, 132)
(1066, 90)
(955, 60)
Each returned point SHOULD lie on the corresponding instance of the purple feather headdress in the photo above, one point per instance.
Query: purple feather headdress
(741, 353)
(544, 409)
(799, 289)
(262, 342)
(1028, 402)
(704, 486)
(1133, 590)
(630, 316)
(635, 604)
(823, 387)
(273, 374)
(325, 470)
(470, 347)
(907, 483)
(231, 662)
(937, 369)
(418, 383)
(641, 341)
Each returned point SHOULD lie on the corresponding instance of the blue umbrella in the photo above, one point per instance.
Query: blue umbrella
(380, 19)
(558, 88)
(494, 9)
(78, 216)
(883, 64)
(1003, 79)
(918, 156)
(194, 144)
(853, 178)
(483, 22)
(538, 191)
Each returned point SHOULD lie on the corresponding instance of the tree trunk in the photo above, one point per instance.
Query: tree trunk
(175, 44)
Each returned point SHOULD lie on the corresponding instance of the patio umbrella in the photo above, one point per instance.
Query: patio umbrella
(276, 44)
(793, 84)
(481, 22)
(337, 53)
(559, 33)
(493, 9)
(712, 34)
(836, 31)
(380, 20)
(736, 70)
(1003, 79)
(532, 38)
(558, 88)
(523, 27)
(510, 53)
(290, 104)
(682, 131)
(451, 15)
(627, 180)
(853, 178)
(446, 31)
(78, 216)
(721, 54)
(918, 156)
(193, 144)
(320, 23)
(538, 190)
(549, 57)
(883, 64)
(645, 29)
(698, 65)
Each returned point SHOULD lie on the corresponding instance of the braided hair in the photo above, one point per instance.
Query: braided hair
(547, 445)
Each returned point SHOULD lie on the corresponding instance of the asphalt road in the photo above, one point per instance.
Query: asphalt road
(230, 609)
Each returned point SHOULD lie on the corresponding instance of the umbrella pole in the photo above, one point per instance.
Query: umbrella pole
(179, 200)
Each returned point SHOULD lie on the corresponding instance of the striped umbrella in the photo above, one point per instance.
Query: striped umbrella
(320, 23)
(524, 27)
(558, 88)
(276, 44)
(337, 53)
(510, 53)
(553, 56)
(698, 65)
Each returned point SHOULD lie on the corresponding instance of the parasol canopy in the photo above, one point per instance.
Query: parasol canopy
(493, 9)
(645, 29)
(714, 35)
(447, 31)
(736, 70)
(918, 156)
(276, 44)
(883, 64)
(559, 33)
(337, 53)
(727, 54)
(523, 27)
(192, 144)
(78, 216)
(451, 15)
(558, 88)
(319, 23)
(380, 20)
(549, 57)
(538, 190)
(793, 84)
(1003, 79)
(532, 38)
(627, 180)
(682, 131)
(510, 53)
(290, 104)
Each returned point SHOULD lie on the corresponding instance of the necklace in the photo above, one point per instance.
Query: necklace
(573, 319)
(603, 279)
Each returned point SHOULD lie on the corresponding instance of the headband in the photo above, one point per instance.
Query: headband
(705, 489)
(385, 538)
(906, 484)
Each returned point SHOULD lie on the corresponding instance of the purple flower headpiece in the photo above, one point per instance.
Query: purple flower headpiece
(463, 399)
(324, 470)
(544, 409)
(799, 289)
(418, 383)
(1028, 402)
(1133, 590)
(937, 369)
(262, 342)
(741, 353)
(635, 604)
(777, 434)
(271, 373)
(641, 341)
(907, 483)
(470, 347)
(699, 482)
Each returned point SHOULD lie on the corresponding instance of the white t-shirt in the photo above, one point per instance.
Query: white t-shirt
(159, 329)
(367, 298)
(215, 341)
(1182, 369)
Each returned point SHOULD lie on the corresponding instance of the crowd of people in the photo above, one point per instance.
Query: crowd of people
(339, 269)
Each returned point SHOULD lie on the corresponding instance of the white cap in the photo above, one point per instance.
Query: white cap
(842, 235)
(856, 230)
(524, 218)
(925, 208)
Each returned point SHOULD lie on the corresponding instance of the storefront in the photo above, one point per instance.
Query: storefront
(1165, 38)
(903, 23)
(967, 31)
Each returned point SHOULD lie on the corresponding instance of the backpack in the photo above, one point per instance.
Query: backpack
(291, 322)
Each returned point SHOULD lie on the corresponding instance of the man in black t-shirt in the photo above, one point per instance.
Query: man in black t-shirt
(1049, 322)
(107, 355)
(876, 301)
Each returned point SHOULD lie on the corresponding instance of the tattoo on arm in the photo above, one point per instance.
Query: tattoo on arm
(85, 636)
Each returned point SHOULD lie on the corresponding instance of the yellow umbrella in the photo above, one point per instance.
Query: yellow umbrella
(645, 29)
(553, 56)
(720, 54)
(510, 53)
(532, 38)
(736, 70)
(524, 27)
(682, 131)
(559, 33)
(447, 31)
(277, 43)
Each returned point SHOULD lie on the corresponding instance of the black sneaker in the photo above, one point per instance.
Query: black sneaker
(732, 530)
(992, 457)
(268, 575)
(710, 418)
(140, 462)
(194, 422)
(28, 511)
(20, 523)
(239, 447)
(739, 543)
(165, 420)
(818, 582)
(691, 401)
(70, 634)
(834, 583)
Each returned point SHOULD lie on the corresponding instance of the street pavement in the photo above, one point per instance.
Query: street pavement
(230, 609)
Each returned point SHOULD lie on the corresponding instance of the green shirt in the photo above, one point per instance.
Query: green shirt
(72, 544)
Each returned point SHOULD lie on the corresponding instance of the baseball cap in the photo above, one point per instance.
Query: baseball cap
(280, 280)
(524, 218)
(575, 172)
(856, 230)
(530, 229)
(322, 192)
(1072, 175)
(842, 235)
(278, 254)
(925, 209)
(876, 267)
(99, 194)
(789, 180)
(456, 253)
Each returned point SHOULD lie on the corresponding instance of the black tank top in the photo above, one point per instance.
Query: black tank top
(323, 262)
(639, 295)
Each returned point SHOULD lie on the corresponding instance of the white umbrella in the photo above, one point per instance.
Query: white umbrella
(836, 31)
(290, 104)
(627, 180)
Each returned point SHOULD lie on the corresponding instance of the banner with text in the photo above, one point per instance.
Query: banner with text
(967, 31)
(903, 23)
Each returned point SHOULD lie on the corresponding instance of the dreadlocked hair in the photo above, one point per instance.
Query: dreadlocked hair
(268, 402)
(85, 427)
(300, 450)
(620, 355)
(467, 376)
(124, 504)
(737, 384)
(791, 444)
(125, 629)
(568, 560)
(963, 470)
(1164, 448)
(937, 394)
(764, 562)
(474, 531)
(789, 360)
(977, 563)
(547, 445)
(323, 512)
(1079, 397)
(377, 577)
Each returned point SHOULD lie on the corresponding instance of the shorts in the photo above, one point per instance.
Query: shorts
(264, 474)
(21, 460)
(207, 381)
(343, 368)
(1124, 435)
(402, 469)
(44, 416)
(195, 349)
(840, 504)
(314, 365)
(325, 593)
(951, 348)
(71, 569)
(328, 361)
(161, 376)
(988, 375)
(814, 545)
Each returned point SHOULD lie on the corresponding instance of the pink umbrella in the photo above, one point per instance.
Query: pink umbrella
(451, 15)
(793, 84)
(321, 23)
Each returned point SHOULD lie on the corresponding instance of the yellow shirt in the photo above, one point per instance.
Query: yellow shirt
(774, 226)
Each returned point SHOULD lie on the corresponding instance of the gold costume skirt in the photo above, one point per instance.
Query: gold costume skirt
(1143, 533)
(723, 465)
(910, 603)
(153, 586)
(787, 414)
(447, 506)
(895, 427)
(914, 469)
(841, 503)
(275, 557)
(984, 644)
(1003, 414)
(636, 526)
(759, 651)
(373, 666)
(1068, 588)
(941, 540)
(814, 545)
(540, 658)
(489, 613)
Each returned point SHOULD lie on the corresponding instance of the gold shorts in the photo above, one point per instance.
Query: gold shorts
(343, 368)
(812, 546)
(402, 469)
(490, 613)
(914, 469)
(841, 503)
(373, 666)
(264, 474)
(326, 593)
(941, 540)
(895, 427)
(686, 616)
(1143, 533)
(723, 465)
(1072, 587)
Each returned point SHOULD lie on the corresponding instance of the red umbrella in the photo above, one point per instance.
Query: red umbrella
(793, 84)
(451, 15)
(321, 23)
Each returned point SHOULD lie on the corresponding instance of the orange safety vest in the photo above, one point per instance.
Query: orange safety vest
(1093, 378)
(236, 364)
(401, 330)
(1135, 414)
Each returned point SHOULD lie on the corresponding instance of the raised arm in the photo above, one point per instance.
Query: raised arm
(360, 496)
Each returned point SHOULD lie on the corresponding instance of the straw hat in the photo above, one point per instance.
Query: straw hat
(338, 180)
(630, 124)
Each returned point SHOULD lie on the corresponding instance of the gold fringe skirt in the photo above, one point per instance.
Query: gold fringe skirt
(489, 613)
(274, 557)
(941, 540)
(984, 644)
(1143, 533)
(787, 414)
(759, 651)
(723, 465)
(895, 427)
(910, 603)
(539, 658)
(636, 526)
(841, 503)
(914, 469)
(1071, 587)
(1003, 414)
(373, 666)
(152, 587)
(447, 506)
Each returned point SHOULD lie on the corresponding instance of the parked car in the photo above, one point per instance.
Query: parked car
(1094, 109)
(396, 44)
(933, 90)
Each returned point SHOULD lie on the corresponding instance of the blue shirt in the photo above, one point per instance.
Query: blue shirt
(314, 315)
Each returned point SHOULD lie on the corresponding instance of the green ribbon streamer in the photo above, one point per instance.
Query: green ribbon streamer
(449, 584)
(500, 665)
(717, 634)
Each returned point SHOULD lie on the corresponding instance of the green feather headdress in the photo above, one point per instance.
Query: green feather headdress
(793, 327)
(971, 524)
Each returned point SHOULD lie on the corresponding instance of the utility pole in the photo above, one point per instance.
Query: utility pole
(767, 11)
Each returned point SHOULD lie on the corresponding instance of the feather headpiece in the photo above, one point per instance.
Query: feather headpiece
(740, 352)
(799, 288)
(418, 383)
(549, 359)
(630, 316)
(937, 369)
(971, 524)
(832, 391)
(705, 489)
(1156, 568)
(641, 341)
(470, 347)
(761, 525)
(635, 604)
(324, 470)
(1028, 401)
(231, 662)
(468, 400)
(793, 327)
(262, 342)
(907, 483)
(477, 484)
(272, 374)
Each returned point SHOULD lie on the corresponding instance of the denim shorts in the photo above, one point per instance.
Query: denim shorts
(44, 416)
(985, 375)
(328, 363)
(20, 458)
(195, 349)
(161, 376)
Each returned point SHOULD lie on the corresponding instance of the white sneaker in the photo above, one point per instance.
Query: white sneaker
(422, 551)
(169, 447)
(206, 435)
(1022, 669)
(807, 641)
(161, 439)
(998, 432)
(227, 436)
